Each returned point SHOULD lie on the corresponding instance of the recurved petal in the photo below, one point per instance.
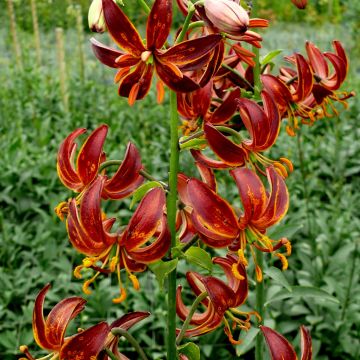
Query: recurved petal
(227, 109)
(317, 60)
(206, 161)
(140, 78)
(89, 157)
(340, 51)
(252, 193)
(306, 343)
(229, 152)
(59, 317)
(305, 79)
(158, 24)
(339, 75)
(105, 54)
(127, 173)
(121, 29)
(66, 171)
(277, 90)
(212, 215)
(145, 220)
(279, 347)
(190, 50)
(87, 344)
(129, 320)
(278, 202)
(173, 80)
(38, 321)
(90, 211)
(207, 175)
(156, 250)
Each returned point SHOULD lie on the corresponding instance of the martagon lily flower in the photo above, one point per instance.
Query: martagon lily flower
(219, 226)
(90, 157)
(49, 334)
(88, 231)
(221, 302)
(88, 344)
(263, 125)
(136, 65)
(281, 349)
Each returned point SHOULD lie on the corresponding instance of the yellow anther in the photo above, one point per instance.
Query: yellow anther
(80, 330)
(288, 163)
(23, 348)
(77, 270)
(85, 287)
(242, 258)
(88, 262)
(283, 260)
(113, 262)
(235, 271)
(61, 210)
(134, 281)
(288, 248)
(103, 216)
(267, 242)
(281, 169)
(259, 275)
(121, 298)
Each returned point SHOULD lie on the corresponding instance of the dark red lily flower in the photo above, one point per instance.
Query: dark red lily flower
(136, 65)
(198, 107)
(222, 300)
(89, 233)
(49, 334)
(122, 184)
(289, 97)
(263, 125)
(281, 349)
(218, 225)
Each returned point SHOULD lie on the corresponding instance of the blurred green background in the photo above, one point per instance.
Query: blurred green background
(43, 98)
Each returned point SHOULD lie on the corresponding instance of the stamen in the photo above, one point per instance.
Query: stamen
(259, 275)
(113, 262)
(87, 283)
(227, 330)
(242, 258)
(77, 270)
(25, 350)
(235, 271)
(283, 260)
(123, 295)
(288, 163)
(61, 210)
(288, 247)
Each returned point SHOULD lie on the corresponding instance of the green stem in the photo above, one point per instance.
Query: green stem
(171, 217)
(111, 354)
(144, 5)
(196, 24)
(191, 137)
(131, 340)
(145, 174)
(229, 131)
(191, 10)
(225, 66)
(194, 306)
(260, 289)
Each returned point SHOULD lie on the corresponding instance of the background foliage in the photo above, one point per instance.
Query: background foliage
(323, 221)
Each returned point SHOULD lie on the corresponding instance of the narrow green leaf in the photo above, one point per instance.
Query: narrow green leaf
(196, 144)
(142, 190)
(247, 338)
(303, 292)
(269, 56)
(162, 269)
(191, 350)
(278, 276)
(200, 257)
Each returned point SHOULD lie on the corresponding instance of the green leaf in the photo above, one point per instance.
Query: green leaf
(142, 190)
(200, 257)
(303, 292)
(162, 269)
(278, 276)
(247, 338)
(191, 350)
(287, 231)
(269, 56)
(196, 144)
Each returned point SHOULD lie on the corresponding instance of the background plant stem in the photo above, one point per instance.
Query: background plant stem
(171, 217)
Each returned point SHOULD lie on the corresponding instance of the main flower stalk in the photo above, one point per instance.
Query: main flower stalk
(171, 212)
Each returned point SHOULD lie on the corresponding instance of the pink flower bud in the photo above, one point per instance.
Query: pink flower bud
(300, 4)
(227, 16)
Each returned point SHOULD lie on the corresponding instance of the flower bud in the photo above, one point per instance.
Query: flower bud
(96, 17)
(300, 4)
(227, 16)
